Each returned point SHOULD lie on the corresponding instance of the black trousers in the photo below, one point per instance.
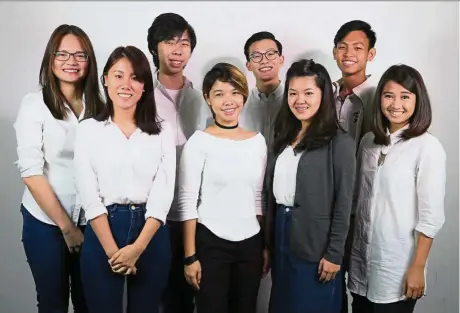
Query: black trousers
(231, 273)
(363, 305)
(179, 295)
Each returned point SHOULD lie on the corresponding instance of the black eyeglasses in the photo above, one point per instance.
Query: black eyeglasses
(257, 57)
(64, 56)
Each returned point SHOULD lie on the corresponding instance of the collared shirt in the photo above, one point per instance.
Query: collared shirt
(355, 110)
(189, 114)
(112, 168)
(260, 112)
(221, 184)
(396, 200)
(45, 146)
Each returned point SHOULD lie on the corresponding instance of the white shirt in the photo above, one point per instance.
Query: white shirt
(403, 196)
(355, 112)
(45, 146)
(186, 112)
(221, 184)
(285, 177)
(114, 169)
(260, 111)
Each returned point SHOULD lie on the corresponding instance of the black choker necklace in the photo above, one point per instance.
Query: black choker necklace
(225, 127)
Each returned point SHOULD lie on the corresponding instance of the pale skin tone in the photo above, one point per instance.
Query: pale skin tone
(266, 71)
(173, 56)
(352, 54)
(69, 73)
(304, 100)
(398, 105)
(125, 90)
(226, 102)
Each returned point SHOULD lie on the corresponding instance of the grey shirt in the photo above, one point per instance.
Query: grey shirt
(260, 112)
(355, 110)
(323, 198)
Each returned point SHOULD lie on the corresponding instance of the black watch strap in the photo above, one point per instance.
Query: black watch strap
(190, 259)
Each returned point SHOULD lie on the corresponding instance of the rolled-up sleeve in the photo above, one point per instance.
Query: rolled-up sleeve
(162, 191)
(29, 136)
(86, 179)
(190, 178)
(344, 168)
(431, 184)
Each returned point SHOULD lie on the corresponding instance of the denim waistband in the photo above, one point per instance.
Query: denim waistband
(282, 206)
(136, 207)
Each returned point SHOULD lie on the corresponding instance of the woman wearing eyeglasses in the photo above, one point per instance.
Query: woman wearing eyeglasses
(45, 131)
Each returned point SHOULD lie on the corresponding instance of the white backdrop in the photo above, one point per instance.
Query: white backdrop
(423, 35)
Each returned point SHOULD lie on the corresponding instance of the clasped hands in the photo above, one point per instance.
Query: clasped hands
(124, 260)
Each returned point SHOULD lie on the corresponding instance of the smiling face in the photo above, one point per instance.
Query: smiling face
(174, 54)
(304, 98)
(264, 60)
(352, 53)
(123, 88)
(226, 102)
(74, 69)
(397, 104)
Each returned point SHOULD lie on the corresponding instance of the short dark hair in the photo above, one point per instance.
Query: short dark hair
(324, 124)
(356, 25)
(420, 121)
(146, 112)
(166, 26)
(226, 73)
(258, 37)
(52, 94)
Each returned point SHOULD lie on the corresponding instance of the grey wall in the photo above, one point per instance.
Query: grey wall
(423, 35)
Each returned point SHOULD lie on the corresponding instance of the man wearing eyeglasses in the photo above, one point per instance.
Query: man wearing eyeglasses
(264, 59)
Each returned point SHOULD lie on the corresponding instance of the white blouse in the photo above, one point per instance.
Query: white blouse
(114, 169)
(285, 177)
(221, 184)
(45, 146)
(403, 196)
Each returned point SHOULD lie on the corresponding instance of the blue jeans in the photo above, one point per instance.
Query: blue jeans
(296, 287)
(103, 288)
(53, 267)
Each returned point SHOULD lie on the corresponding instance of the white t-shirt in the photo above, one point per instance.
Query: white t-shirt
(220, 183)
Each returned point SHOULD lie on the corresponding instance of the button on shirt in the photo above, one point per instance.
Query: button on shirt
(188, 114)
(45, 146)
(114, 169)
(221, 184)
(403, 196)
(355, 110)
(260, 112)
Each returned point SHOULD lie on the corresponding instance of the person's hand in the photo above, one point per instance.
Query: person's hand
(193, 274)
(414, 282)
(124, 260)
(73, 238)
(327, 270)
(266, 264)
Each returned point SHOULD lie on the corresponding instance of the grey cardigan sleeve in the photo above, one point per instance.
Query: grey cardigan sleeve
(344, 170)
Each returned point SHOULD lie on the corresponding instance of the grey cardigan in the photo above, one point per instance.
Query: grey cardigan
(322, 204)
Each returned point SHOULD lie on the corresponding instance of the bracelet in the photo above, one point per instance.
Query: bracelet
(190, 260)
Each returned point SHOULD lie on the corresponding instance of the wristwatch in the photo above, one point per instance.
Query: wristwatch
(190, 259)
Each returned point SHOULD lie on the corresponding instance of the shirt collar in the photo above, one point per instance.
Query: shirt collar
(277, 93)
(358, 90)
(156, 81)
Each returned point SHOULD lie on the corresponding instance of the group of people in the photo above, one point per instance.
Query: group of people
(191, 198)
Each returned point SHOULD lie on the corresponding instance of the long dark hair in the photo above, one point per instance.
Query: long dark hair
(324, 123)
(420, 120)
(145, 116)
(52, 94)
